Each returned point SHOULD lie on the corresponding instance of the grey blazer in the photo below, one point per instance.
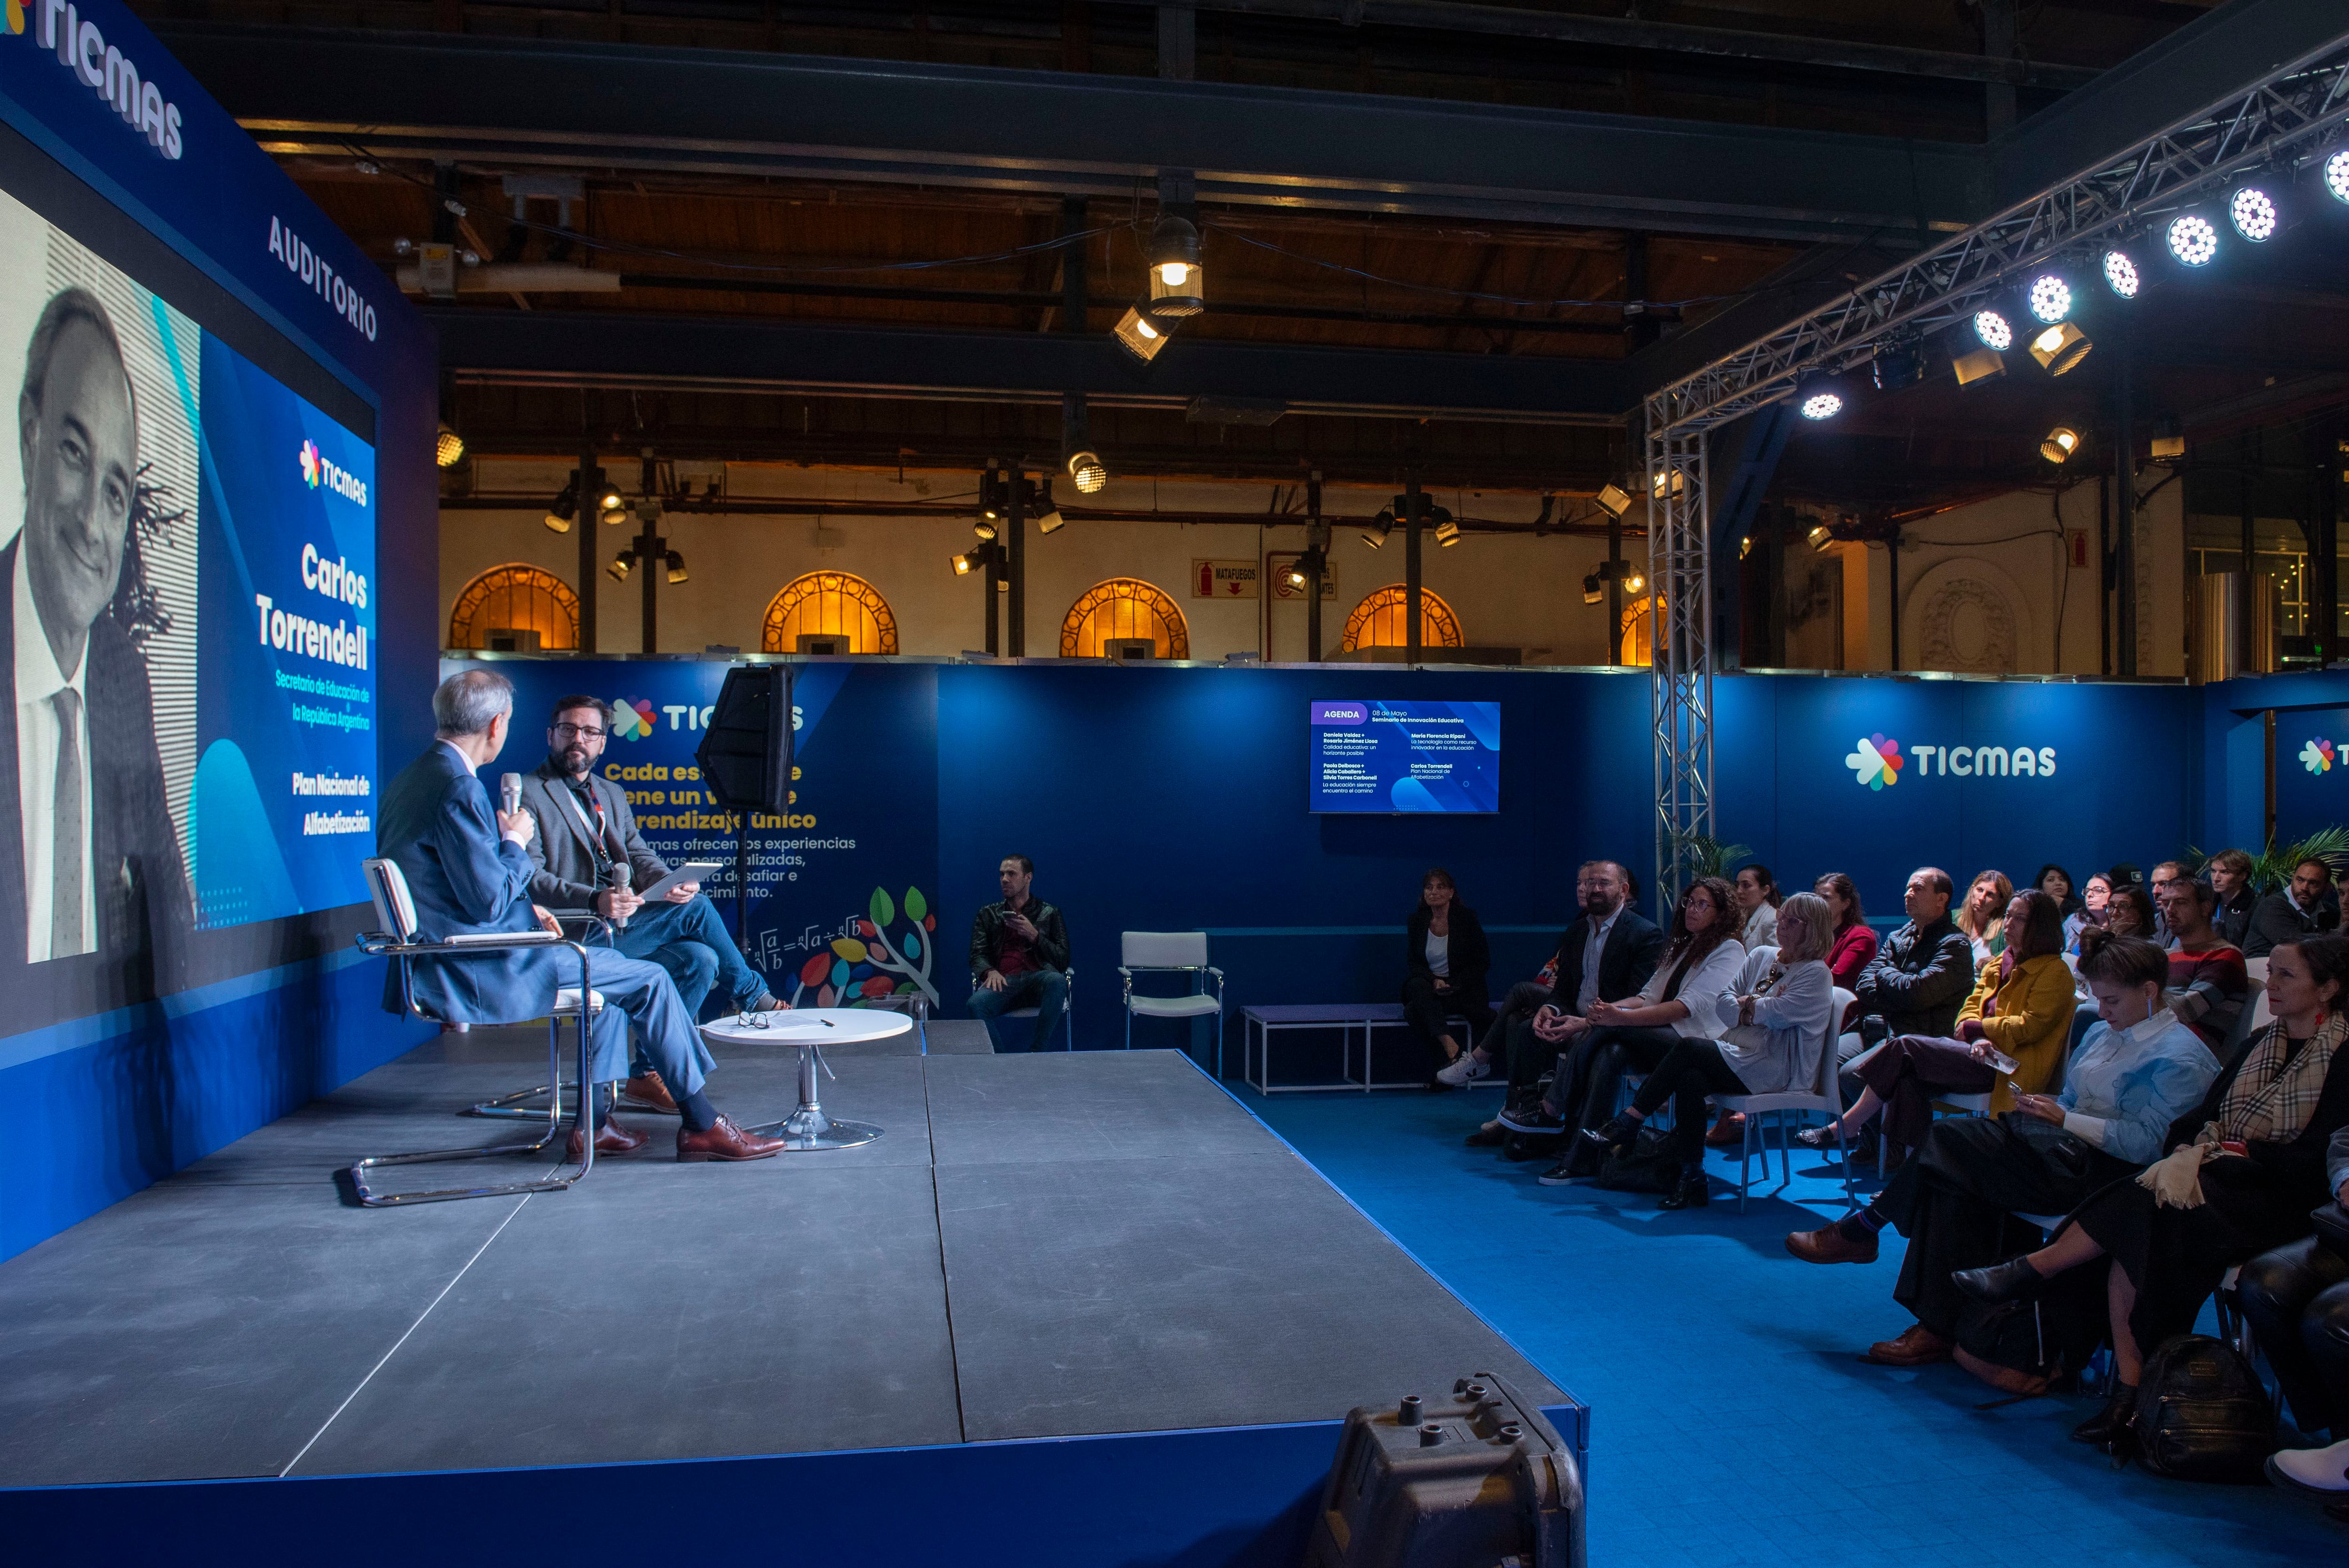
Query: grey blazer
(562, 857)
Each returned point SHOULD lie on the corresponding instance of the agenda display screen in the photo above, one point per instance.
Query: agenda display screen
(188, 549)
(1438, 757)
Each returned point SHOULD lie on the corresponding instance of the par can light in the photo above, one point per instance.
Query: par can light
(2120, 275)
(2193, 240)
(2051, 298)
(1822, 406)
(2254, 211)
(1993, 330)
(2336, 175)
(2061, 443)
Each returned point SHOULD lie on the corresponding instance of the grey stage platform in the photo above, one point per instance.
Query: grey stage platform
(1040, 1245)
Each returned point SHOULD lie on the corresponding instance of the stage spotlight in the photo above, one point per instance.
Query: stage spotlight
(2120, 275)
(1302, 570)
(1381, 526)
(1820, 536)
(676, 567)
(1141, 338)
(566, 505)
(1994, 330)
(1899, 363)
(1667, 482)
(1051, 521)
(2169, 437)
(2192, 240)
(984, 530)
(619, 567)
(2253, 213)
(2336, 175)
(1591, 590)
(613, 507)
(1635, 582)
(448, 450)
(1982, 364)
(1177, 281)
(2050, 298)
(964, 565)
(1614, 500)
(2061, 443)
(1822, 406)
(2060, 348)
(1448, 533)
(1088, 470)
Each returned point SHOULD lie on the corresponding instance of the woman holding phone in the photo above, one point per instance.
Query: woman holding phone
(2246, 1168)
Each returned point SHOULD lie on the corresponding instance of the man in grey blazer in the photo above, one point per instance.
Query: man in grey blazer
(468, 869)
(586, 827)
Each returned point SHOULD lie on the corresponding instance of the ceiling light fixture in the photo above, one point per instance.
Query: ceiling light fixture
(2336, 174)
(448, 448)
(566, 505)
(2061, 443)
(1899, 363)
(2121, 275)
(1994, 330)
(675, 563)
(1448, 533)
(1381, 526)
(1177, 281)
(1614, 500)
(1591, 591)
(2050, 298)
(1822, 406)
(619, 567)
(2192, 240)
(2253, 212)
(2060, 348)
(1088, 471)
(1140, 336)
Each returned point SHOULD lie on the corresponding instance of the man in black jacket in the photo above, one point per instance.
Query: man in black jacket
(1018, 957)
(1625, 948)
(1922, 975)
(2291, 912)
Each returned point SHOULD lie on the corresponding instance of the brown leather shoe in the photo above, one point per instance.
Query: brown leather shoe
(1920, 1347)
(648, 1090)
(1728, 1130)
(725, 1142)
(610, 1138)
(1830, 1245)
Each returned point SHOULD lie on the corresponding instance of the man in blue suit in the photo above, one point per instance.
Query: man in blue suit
(468, 868)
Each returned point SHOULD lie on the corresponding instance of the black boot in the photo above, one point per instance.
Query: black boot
(1694, 1192)
(2014, 1280)
(2105, 1427)
(1613, 1132)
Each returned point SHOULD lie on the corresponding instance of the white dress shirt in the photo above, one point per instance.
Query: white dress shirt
(1593, 946)
(463, 761)
(38, 735)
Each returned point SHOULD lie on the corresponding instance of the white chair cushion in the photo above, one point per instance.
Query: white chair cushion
(1164, 949)
(1174, 1006)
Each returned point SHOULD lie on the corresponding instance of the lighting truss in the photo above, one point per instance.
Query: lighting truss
(1679, 645)
(2285, 116)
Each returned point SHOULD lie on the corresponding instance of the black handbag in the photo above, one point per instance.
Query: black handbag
(2202, 1414)
(1646, 1166)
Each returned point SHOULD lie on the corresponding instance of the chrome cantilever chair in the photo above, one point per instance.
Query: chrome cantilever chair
(399, 941)
(1173, 953)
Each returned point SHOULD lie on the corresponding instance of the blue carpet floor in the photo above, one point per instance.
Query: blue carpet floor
(1731, 1422)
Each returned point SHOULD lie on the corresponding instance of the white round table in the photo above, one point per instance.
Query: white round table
(810, 1029)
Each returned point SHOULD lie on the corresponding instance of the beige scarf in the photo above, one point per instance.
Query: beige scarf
(2270, 1102)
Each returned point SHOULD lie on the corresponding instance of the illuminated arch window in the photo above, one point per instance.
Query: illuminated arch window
(516, 598)
(1638, 632)
(1377, 622)
(829, 604)
(1122, 608)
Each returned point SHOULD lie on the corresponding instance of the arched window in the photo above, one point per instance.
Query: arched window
(829, 604)
(1379, 622)
(1638, 632)
(516, 598)
(1120, 609)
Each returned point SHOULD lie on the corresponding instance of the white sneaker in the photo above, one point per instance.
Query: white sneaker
(2312, 1469)
(1464, 1069)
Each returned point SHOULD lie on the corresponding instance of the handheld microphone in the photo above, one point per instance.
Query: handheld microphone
(620, 884)
(509, 791)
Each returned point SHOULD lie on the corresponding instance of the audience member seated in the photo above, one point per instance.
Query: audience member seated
(586, 827)
(2139, 1070)
(1676, 1004)
(2231, 879)
(2129, 913)
(1776, 1017)
(2056, 883)
(1854, 939)
(1757, 899)
(2208, 982)
(1921, 974)
(1018, 958)
(2247, 1167)
(2091, 912)
(1605, 955)
(1517, 1006)
(1448, 960)
(2296, 1299)
(469, 871)
(2167, 876)
(2021, 1006)
(2292, 912)
(1982, 915)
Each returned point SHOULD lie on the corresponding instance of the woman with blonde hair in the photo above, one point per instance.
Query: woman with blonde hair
(1776, 1017)
(1982, 915)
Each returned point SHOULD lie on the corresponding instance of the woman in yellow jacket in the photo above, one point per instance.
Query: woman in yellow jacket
(2019, 1014)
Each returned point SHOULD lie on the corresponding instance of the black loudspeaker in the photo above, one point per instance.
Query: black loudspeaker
(746, 748)
(1468, 1479)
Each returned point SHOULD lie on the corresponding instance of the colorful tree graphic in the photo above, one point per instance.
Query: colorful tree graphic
(871, 966)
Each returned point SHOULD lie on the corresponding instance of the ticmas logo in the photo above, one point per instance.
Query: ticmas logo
(310, 464)
(2317, 756)
(1876, 762)
(632, 718)
(318, 469)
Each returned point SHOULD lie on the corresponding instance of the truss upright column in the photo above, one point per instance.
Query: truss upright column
(1680, 580)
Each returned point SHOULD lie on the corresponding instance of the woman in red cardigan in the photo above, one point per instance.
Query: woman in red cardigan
(1854, 940)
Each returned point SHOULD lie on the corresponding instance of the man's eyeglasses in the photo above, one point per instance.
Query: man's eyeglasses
(577, 732)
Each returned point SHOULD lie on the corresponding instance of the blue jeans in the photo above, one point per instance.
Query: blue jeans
(1045, 990)
(640, 994)
(689, 941)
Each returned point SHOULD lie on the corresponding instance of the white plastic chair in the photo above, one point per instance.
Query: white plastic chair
(1171, 952)
(2254, 1017)
(1825, 1097)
